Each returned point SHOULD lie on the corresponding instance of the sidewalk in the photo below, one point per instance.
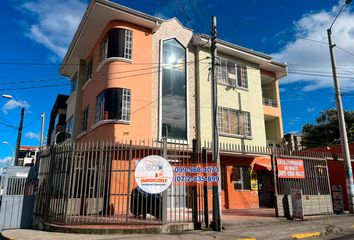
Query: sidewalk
(266, 229)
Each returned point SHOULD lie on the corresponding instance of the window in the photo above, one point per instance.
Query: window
(117, 43)
(84, 119)
(241, 176)
(234, 122)
(89, 68)
(174, 95)
(69, 125)
(60, 119)
(232, 73)
(73, 83)
(113, 103)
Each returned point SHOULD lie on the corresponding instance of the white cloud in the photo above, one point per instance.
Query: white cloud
(12, 104)
(53, 23)
(311, 57)
(293, 121)
(310, 109)
(5, 161)
(32, 135)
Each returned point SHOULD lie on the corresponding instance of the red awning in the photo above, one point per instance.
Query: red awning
(264, 162)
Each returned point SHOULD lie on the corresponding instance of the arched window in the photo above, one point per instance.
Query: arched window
(174, 91)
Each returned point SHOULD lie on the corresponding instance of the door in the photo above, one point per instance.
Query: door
(266, 189)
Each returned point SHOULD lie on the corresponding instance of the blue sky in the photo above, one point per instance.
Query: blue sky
(36, 33)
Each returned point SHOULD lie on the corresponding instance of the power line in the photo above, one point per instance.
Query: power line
(185, 14)
(346, 51)
(175, 88)
(317, 75)
(33, 87)
(7, 125)
(31, 122)
(313, 40)
(60, 79)
(32, 81)
(197, 14)
(109, 79)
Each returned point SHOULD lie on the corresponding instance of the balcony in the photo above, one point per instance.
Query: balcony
(270, 102)
(273, 144)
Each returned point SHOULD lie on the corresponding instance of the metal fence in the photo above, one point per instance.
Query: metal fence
(93, 183)
(315, 186)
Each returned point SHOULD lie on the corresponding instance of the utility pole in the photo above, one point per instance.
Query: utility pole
(42, 130)
(342, 128)
(341, 119)
(19, 135)
(216, 223)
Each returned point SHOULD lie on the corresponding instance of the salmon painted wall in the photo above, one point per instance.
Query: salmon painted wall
(135, 75)
(237, 198)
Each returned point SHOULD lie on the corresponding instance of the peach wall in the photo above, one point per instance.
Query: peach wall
(119, 185)
(230, 197)
(274, 111)
(135, 75)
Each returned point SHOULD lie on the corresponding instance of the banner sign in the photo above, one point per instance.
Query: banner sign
(297, 203)
(337, 196)
(194, 173)
(153, 174)
(290, 168)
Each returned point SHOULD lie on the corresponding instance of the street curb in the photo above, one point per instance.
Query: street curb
(6, 238)
(305, 235)
(168, 228)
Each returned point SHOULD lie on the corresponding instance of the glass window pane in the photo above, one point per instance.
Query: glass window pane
(174, 104)
(113, 103)
(226, 121)
(231, 71)
(116, 43)
(233, 122)
(241, 117)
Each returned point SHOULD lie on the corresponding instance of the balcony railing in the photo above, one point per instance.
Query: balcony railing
(270, 102)
(273, 144)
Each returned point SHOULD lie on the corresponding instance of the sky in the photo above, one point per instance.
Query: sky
(37, 33)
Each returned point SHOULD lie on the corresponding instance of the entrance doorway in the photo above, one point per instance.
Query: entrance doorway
(266, 189)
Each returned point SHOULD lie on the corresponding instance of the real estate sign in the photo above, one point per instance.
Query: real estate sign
(153, 174)
(290, 168)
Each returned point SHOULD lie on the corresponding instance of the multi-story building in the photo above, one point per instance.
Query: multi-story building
(135, 76)
(249, 113)
(57, 122)
(27, 155)
(292, 142)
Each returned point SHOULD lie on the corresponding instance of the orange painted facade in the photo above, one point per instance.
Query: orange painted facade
(134, 74)
(237, 198)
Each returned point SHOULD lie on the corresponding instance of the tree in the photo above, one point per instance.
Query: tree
(325, 132)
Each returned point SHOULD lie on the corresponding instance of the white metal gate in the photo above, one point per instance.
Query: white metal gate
(17, 202)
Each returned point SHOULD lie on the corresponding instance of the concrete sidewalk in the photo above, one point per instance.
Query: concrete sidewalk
(329, 227)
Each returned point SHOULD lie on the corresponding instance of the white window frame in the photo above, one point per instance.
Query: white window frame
(128, 46)
(126, 104)
(242, 131)
(160, 91)
(222, 69)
